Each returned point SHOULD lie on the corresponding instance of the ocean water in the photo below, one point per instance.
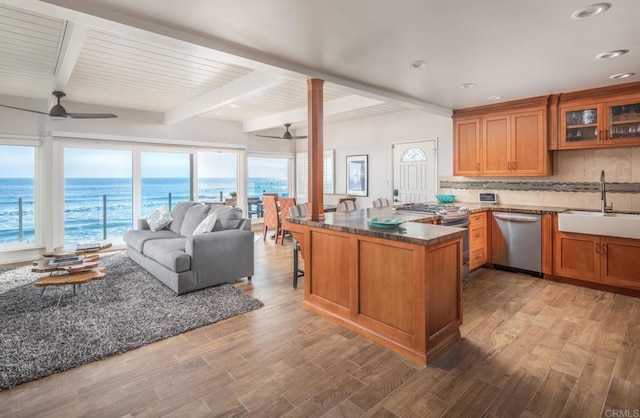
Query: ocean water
(84, 205)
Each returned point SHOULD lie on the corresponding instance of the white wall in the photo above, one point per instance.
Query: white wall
(374, 137)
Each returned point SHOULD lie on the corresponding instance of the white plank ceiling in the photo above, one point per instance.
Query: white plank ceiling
(121, 70)
(28, 50)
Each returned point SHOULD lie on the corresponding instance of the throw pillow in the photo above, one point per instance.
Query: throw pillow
(193, 217)
(159, 218)
(228, 218)
(206, 225)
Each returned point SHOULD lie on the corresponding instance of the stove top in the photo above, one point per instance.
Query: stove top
(430, 208)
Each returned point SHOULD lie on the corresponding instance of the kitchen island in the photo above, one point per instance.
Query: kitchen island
(400, 287)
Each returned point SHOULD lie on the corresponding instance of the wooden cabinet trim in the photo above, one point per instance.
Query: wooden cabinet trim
(506, 107)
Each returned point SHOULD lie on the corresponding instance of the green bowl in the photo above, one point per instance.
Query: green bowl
(445, 198)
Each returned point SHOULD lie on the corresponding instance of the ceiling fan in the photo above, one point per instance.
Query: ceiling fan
(57, 111)
(287, 134)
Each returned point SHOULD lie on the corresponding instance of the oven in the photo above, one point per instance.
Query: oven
(449, 216)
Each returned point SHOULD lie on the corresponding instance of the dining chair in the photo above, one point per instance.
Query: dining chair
(297, 211)
(347, 205)
(285, 204)
(382, 202)
(271, 216)
(344, 199)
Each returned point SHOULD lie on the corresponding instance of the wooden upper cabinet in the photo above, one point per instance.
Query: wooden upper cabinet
(466, 147)
(515, 144)
(606, 117)
(529, 155)
(496, 138)
(509, 139)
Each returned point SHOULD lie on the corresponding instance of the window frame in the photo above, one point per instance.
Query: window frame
(37, 143)
(302, 172)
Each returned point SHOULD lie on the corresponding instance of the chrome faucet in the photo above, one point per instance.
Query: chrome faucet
(603, 195)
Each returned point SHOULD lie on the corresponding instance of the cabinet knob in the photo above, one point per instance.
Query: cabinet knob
(477, 235)
(477, 166)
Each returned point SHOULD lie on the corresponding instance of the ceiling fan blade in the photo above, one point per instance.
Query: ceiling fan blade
(91, 115)
(299, 137)
(269, 136)
(26, 110)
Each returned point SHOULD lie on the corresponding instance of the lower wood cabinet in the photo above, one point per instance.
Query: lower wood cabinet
(478, 234)
(607, 260)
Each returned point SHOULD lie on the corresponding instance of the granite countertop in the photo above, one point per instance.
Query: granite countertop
(475, 207)
(413, 231)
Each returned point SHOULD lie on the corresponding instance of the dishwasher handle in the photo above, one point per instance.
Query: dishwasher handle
(517, 218)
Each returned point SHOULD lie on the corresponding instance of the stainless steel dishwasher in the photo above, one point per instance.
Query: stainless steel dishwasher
(516, 241)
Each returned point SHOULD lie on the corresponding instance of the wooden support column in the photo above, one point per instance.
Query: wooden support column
(315, 211)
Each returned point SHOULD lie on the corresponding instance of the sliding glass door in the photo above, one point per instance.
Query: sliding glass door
(98, 194)
(17, 175)
(166, 179)
(217, 176)
(266, 175)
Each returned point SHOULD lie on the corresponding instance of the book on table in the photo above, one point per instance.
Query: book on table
(88, 246)
(65, 261)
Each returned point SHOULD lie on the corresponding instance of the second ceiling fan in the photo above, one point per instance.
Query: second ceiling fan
(287, 134)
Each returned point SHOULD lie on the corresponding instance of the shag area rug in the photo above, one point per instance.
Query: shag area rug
(128, 309)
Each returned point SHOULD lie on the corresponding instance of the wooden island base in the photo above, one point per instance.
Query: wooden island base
(406, 296)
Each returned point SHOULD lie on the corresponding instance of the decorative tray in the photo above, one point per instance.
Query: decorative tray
(384, 223)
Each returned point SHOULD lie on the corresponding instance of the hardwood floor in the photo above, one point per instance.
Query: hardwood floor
(530, 348)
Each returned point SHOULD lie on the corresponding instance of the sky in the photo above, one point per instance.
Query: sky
(18, 162)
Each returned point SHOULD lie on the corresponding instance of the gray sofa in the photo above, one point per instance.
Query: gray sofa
(186, 262)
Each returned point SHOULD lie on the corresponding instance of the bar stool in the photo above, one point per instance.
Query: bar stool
(297, 211)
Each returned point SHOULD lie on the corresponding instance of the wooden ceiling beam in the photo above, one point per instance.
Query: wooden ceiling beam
(334, 107)
(71, 45)
(243, 86)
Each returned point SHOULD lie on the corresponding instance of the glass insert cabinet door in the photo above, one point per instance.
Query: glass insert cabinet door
(624, 121)
(582, 125)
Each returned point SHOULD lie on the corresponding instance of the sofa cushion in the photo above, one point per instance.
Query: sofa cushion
(137, 238)
(228, 217)
(194, 216)
(206, 225)
(158, 219)
(169, 252)
(178, 213)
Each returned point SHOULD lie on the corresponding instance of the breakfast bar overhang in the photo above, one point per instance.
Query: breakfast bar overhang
(400, 287)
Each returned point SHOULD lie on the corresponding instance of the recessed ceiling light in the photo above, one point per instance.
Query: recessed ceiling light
(589, 11)
(467, 85)
(621, 75)
(495, 98)
(417, 64)
(612, 54)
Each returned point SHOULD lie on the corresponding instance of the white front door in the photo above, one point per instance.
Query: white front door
(415, 172)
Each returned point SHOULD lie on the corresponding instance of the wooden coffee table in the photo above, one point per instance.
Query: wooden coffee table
(74, 274)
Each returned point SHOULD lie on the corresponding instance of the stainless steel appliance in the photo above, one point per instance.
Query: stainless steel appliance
(450, 215)
(516, 242)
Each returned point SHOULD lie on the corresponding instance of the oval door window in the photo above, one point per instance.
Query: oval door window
(414, 154)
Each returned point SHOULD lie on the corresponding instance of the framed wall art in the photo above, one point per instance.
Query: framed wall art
(357, 184)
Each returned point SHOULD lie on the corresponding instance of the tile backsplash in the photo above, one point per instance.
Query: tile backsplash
(574, 184)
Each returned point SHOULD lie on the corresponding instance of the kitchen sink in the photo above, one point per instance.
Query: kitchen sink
(623, 225)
